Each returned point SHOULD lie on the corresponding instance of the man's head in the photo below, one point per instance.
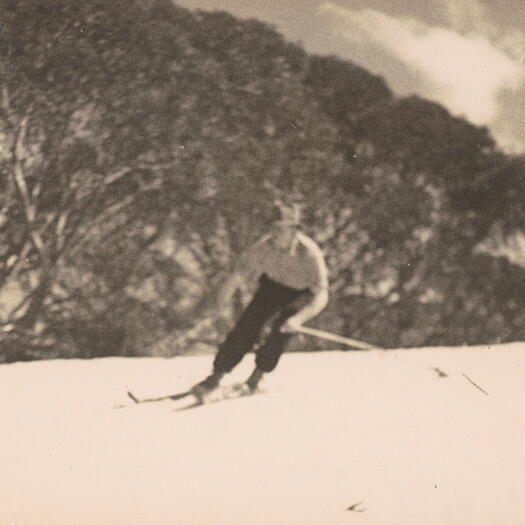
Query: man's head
(285, 224)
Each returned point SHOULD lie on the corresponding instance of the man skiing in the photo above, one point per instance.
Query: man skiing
(292, 287)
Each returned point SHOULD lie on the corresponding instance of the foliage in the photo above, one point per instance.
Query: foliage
(142, 146)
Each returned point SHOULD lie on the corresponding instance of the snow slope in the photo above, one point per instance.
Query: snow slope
(333, 429)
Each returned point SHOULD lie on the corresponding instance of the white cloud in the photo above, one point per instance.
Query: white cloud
(472, 17)
(467, 72)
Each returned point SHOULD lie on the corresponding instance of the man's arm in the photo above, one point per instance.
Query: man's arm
(232, 283)
(247, 269)
(313, 308)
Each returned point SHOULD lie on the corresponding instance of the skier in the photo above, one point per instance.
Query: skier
(292, 287)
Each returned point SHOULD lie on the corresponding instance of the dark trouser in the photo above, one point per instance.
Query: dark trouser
(271, 305)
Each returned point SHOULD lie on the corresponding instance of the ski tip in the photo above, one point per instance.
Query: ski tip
(176, 397)
(130, 395)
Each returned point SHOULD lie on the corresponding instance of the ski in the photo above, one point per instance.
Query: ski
(224, 393)
(234, 391)
(172, 397)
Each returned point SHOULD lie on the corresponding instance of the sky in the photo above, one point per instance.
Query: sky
(468, 55)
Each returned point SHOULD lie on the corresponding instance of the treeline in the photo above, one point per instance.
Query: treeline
(143, 144)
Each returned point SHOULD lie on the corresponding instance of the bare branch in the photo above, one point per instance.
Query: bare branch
(116, 175)
(6, 103)
(12, 316)
(20, 138)
(103, 217)
(13, 269)
(59, 230)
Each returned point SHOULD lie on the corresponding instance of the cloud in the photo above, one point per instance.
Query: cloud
(465, 71)
(472, 17)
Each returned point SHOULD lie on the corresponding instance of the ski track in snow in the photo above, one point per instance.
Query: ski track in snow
(334, 429)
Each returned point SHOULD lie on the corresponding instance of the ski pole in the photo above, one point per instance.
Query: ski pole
(337, 338)
(363, 346)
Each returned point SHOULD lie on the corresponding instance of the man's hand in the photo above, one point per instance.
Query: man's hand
(291, 325)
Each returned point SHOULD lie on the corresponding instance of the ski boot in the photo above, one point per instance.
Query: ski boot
(252, 383)
(202, 389)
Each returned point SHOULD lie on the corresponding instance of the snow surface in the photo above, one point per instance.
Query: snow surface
(332, 430)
